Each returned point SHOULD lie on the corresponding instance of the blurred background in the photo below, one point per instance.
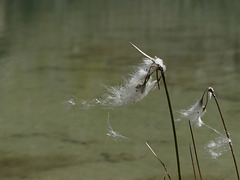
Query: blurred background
(57, 55)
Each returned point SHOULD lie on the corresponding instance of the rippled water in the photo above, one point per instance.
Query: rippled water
(56, 57)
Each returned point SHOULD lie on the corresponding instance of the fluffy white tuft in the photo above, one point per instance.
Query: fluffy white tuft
(111, 133)
(217, 146)
(159, 62)
(210, 91)
(133, 89)
(195, 113)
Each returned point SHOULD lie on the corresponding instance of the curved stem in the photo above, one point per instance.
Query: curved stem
(173, 123)
(205, 106)
(227, 134)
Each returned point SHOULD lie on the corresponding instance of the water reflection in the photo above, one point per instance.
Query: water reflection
(51, 51)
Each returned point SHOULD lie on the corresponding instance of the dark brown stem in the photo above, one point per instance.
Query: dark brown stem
(194, 172)
(195, 150)
(205, 106)
(226, 131)
(173, 123)
(158, 80)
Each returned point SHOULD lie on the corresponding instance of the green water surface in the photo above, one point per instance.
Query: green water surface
(54, 55)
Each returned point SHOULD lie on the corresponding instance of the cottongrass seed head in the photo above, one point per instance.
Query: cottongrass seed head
(134, 89)
(195, 113)
(217, 147)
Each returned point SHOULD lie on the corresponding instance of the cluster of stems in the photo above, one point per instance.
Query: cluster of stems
(156, 67)
(212, 93)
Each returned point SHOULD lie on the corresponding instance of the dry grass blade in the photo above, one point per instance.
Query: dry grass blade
(159, 160)
(147, 56)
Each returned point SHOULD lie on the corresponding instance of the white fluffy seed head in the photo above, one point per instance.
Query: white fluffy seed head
(217, 146)
(126, 94)
(210, 91)
(133, 89)
(159, 62)
(195, 113)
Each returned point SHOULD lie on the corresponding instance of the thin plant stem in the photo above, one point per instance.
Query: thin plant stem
(205, 106)
(173, 123)
(194, 172)
(195, 150)
(164, 166)
(227, 134)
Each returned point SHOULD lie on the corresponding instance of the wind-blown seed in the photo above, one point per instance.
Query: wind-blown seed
(195, 113)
